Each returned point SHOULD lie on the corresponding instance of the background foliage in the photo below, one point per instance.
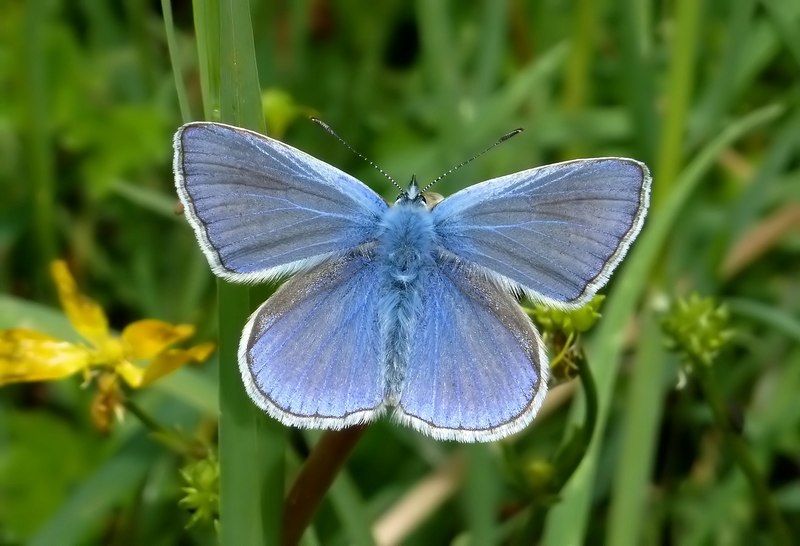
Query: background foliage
(705, 91)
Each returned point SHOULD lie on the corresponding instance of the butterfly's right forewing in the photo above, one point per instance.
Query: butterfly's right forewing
(555, 232)
(262, 209)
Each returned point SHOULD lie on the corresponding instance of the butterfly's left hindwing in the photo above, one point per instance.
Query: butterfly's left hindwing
(309, 356)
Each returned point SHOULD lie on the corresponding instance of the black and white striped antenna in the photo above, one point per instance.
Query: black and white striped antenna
(499, 141)
(343, 141)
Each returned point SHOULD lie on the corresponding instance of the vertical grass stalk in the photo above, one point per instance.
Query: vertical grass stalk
(637, 49)
(645, 397)
(482, 494)
(629, 502)
(577, 77)
(438, 47)
(489, 61)
(38, 147)
(680, 84)
(251, 447)
(172, 45)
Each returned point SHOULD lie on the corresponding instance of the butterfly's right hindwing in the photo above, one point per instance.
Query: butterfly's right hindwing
(262, 209)
(477, 369)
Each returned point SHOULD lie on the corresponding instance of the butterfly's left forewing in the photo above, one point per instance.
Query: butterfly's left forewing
(477, 369)
(309, 356)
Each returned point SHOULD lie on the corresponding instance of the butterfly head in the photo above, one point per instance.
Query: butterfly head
(413, 192)
(416, 197)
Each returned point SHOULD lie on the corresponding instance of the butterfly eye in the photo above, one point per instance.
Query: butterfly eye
(432, 198)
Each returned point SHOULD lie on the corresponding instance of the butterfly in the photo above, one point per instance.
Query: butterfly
(407, 309)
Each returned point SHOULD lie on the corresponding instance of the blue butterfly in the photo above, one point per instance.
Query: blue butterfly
(408, 309)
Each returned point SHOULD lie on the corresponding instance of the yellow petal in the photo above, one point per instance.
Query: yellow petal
(169, 361)
(86, 316)
(26, 355)
(148, 338)
(131, 373)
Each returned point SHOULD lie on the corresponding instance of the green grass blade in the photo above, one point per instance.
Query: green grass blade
(680, 86)
(632, 479)
(243, 513)
(240, 90)
(206, 29)
(482, 493)
(640, 428)
(39, 153)
(251, 447)
(251, 496)
(637, 50)
(577, 75)
(149, 199)
(766, 314)
(172, 45)
(493, 32)
(442, 65)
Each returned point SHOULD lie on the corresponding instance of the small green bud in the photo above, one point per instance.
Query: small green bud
(560, 331)
(567, 322)
(697, 328)
(201, 490)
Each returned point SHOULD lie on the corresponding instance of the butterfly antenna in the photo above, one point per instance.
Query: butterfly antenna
(340, 139)
(499, 141)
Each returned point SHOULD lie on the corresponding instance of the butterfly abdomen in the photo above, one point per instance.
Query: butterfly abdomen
(405, 255)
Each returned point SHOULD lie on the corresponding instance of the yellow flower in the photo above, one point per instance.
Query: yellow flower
(141, 354)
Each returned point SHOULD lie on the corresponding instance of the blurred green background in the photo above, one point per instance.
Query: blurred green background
(706, 92)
